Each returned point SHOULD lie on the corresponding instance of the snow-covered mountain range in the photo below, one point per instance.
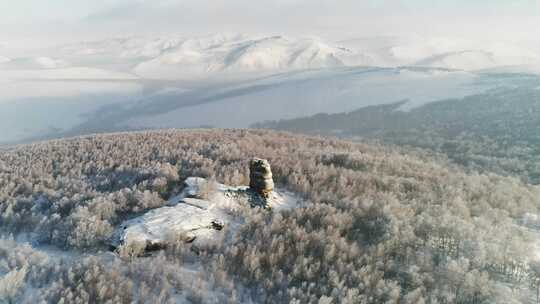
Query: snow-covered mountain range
(233, 80)
(176, 57)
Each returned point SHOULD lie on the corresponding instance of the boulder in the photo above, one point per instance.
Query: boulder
(197, 221)
(260, 177)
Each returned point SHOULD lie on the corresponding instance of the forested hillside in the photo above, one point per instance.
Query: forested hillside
(497, 131)
(375, 225)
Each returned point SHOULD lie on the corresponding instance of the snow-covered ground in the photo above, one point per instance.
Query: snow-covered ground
(184, 215)
(180, 57)
(195, 219)
(443, 52)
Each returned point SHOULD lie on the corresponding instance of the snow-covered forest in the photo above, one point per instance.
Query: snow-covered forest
(375, 224)
(496, 131)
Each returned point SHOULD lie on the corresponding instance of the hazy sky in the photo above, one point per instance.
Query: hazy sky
(40, 22)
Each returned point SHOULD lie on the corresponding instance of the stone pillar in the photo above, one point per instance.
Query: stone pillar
(260, 177)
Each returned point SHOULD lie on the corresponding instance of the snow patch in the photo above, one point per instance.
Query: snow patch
(194, 219)
(198, 58)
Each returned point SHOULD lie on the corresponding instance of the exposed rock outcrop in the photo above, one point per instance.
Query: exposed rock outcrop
(199, 221)
(260, 177)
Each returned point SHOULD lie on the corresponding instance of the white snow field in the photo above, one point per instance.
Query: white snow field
(178, 57)
(40, 95)
(444, 52)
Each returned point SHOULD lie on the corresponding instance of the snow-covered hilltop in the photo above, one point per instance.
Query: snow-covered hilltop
(179, 57)
(200, 212)
(196, 58)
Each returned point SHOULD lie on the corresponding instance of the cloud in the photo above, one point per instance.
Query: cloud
(58, 19)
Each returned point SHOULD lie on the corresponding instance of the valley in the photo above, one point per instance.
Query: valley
(139, 83)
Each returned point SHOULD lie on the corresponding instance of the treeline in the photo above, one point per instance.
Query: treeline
(496, 131)
(376, 225)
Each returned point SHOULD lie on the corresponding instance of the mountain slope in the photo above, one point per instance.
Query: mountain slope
(494, 131)
(193, 60)
(381, 224)
(287, 95)
(223, 55)
(233, 80)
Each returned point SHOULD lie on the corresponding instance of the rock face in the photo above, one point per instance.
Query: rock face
(185, 216)
(188, 218)
(260, 177)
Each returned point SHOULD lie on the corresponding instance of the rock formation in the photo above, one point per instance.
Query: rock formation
(195, 220)
(260, 177)
(187, 218)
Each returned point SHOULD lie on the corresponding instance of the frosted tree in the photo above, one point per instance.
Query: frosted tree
(11, 285)
(534, 277)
